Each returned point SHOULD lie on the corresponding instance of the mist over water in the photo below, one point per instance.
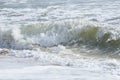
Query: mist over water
(69, 39)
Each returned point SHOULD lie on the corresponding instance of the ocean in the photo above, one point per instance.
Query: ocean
(60, 39)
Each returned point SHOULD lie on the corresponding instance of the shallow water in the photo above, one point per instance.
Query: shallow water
(60, 39)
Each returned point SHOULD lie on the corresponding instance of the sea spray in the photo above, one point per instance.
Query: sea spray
(63, 32)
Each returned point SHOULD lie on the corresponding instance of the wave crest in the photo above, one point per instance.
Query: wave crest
(65, 32)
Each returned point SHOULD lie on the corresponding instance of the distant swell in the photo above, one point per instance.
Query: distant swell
(65, 32)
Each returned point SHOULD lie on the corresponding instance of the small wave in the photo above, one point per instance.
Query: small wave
(65, 32)
(96, 36)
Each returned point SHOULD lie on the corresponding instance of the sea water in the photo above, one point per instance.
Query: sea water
(60, 39)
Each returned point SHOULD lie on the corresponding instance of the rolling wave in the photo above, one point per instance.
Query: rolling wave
(64, 32)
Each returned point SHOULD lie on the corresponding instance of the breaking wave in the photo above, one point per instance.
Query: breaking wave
(64, 32)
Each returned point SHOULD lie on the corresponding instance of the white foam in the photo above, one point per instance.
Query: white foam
(49, 34)
(65, 65)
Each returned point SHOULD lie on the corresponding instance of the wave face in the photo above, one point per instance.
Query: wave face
(64, 32)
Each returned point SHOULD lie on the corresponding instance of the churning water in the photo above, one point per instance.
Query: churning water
(60, 39)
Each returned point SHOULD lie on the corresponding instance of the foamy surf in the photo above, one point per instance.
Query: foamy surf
(38, 72)
(64, 32)
(63, 64)
(59, 39)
